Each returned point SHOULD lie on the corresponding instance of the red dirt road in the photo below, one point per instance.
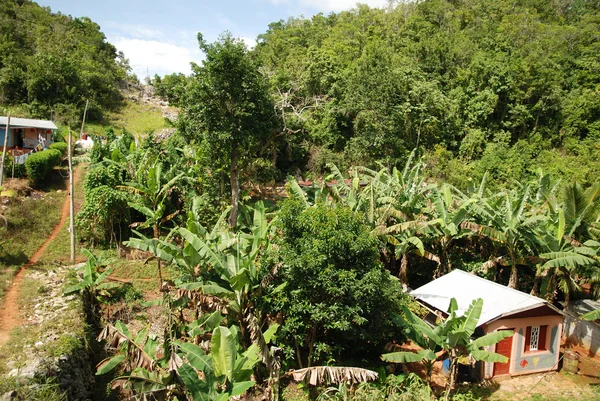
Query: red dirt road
(9, 311)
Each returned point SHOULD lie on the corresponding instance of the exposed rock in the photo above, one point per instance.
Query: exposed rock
(11, 395)
(73, 370)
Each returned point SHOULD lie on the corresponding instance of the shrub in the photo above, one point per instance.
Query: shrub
(104, 216)
(102, 175)
(38, 165)
(63, 147)
(347, 308)
(99, 151)
(20, 171)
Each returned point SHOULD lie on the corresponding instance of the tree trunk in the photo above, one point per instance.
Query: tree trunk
(514, 277)
(537, 282)
(311, 344)
(452, 381)
(403, 274)
(235, 187)
(160, 279)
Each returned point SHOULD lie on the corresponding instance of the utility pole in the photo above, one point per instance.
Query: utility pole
(4, 149)
(83, 121)
(71, 198)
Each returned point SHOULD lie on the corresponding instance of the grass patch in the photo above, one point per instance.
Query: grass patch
(134, 117)
(46, 390)
(58, 252)
(30, 221)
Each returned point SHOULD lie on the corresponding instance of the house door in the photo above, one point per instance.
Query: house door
(18, 137)
(504, 347)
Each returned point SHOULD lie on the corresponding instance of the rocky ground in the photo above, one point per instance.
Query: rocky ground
(52, 342)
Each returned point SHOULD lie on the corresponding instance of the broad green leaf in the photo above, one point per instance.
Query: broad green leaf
(207, 288)
(141, 335)
(223, 351)
(560, 229)
(491, 338)
(196, 356)
(109, 364)
(196, 387)
(563, 259)
(593, 315)
(240, 388)
(240, 280)
(73, 289)
(472, 317)
(270, 332)
(453, 307)
(406, 357)
(487, 356)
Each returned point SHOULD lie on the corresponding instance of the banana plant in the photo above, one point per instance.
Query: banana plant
(564, 259)
(151, 188)
(449, 210)
(508, 220)
(146, 374)
(92, 281)
(229, 260)
(226, 371)
(592, 315)
(451, 338)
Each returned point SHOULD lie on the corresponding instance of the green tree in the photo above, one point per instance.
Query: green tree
(336, 295)
(152, 189)
(227, 108)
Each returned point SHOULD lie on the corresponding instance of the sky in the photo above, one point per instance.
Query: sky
(160, 37)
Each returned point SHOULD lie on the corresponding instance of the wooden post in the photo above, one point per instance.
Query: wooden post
(4, 149)
(71, 199)
(83, 121)
(13, 164)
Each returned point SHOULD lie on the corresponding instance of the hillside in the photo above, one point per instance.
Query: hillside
(500, 86)
(51, 63)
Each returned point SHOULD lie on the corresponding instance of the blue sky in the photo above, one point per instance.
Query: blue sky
(160, 36)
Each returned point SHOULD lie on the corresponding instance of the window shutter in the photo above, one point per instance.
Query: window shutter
(527, 339)
(542, 340)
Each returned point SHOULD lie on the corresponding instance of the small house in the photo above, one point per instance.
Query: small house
(537, 324)
(25, 134)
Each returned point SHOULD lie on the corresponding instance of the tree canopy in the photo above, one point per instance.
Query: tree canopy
(53, 63)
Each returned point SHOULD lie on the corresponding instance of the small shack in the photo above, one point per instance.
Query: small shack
(582, 332)
(537, 324)
(25, 134)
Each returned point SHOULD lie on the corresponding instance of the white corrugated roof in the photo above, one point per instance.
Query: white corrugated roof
(498, 300)
(27, 123)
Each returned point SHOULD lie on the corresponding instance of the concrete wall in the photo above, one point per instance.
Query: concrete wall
(582, 332)
(10, 138)
(522, 362)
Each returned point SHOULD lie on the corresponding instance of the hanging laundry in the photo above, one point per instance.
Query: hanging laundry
(21, 159)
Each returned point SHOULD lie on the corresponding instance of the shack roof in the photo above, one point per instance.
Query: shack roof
(27, 123)
(498, 301)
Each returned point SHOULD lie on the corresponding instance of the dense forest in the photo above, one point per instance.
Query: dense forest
(500, 86)
(482, 85)
(51, 63)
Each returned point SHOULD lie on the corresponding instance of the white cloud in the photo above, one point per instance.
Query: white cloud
(138, 31)
(156, 57)
(330, 5)
(250, 42)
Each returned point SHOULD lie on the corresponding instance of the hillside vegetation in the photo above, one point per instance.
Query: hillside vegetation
(483, 85)
(51, 63)
(413, 140)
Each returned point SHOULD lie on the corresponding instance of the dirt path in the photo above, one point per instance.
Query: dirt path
(9, 311)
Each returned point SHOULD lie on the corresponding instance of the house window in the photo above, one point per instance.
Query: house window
(535, 338)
